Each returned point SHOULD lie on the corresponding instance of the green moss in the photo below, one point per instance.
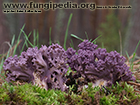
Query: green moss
(34, 95)
(119, 94)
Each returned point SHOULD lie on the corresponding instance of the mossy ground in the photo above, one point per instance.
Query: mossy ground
(28, 94)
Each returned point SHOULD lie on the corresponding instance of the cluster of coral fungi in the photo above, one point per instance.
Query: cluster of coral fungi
(47, 66)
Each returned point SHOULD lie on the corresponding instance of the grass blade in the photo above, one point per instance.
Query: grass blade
(127, 55)
(13, 39)
(90, 40)
(66, 33)
(27, 38)
(137, 46)
(134, 54)
(25, 43)
(71, 44)
(86, 36)
(1, 64)
(76, 37)
(96, 39)
(34, 37)
(18, 40)
(8, 50)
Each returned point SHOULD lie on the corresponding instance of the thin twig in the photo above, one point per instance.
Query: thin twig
(133, 83)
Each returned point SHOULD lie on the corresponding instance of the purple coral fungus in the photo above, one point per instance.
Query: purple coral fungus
(95, 64)
(45, 67)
